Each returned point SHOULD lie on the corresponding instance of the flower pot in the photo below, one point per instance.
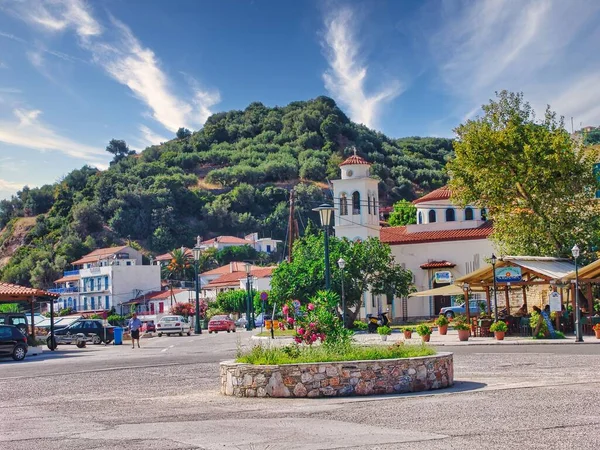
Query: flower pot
(597, 334)
(499, 335)
(425, 337)
(463, 335)
(407, 334)
(384, 337)
(443, 329)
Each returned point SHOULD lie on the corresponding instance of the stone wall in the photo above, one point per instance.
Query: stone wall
(388, 376)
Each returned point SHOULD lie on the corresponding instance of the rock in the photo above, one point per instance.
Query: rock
(364, 388)
(313, 393)
(354, 381)
(328, 391)
(247, 380)
(261, 392)
(346, 390)
(412, 371)
(250, 392)
(319, 377)
(300, 390)
(306, 377)
(260, 380)
(335, 381)
(276, 388)
(229, 384)
(331, 371)
(421, 373)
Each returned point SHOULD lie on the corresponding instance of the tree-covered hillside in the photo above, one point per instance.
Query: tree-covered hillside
(231, 177)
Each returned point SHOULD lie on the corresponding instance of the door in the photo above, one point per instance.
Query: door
(440, 301)
(6, 340)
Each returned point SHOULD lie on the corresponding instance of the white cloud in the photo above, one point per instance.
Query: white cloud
(30, 132)
(540, 47)
(12, 186)
(149, 137)
(347, 73)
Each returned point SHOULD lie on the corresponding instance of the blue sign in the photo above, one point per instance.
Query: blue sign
(443, 277)
(597, 174)
(508, 274)
(549, 324)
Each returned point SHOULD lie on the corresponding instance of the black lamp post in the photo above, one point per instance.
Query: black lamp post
(325, 215)
(578, 336)
(493, 260)
(197, 252)
(249, 323)
(342, 263)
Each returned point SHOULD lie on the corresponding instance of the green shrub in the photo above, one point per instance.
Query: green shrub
(360, 325)
(499, 326)
(441, 321)
(423, 330)
(384, 330)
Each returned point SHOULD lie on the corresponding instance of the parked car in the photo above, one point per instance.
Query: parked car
(18, 320)
(149, 326)
(474, 309)
(13, 342)
(221, 323)
(241, 322)
(88, 327)
(173, 325)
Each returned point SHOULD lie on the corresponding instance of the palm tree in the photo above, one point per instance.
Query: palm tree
(180, 268)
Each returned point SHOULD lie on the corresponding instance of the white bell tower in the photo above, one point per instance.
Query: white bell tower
(356, 201)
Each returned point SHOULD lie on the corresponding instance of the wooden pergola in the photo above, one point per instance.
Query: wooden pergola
(535, 271)
(13, 293)
(587, 275)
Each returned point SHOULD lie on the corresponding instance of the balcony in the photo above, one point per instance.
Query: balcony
(70, 273)
(66, 290)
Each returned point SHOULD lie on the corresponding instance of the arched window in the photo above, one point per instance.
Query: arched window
(483, 214)
(469, 213)
(369, 203)
(450, 216)
(343, 205)
(374, 206)
(420, 218)
(432, 217)
(356, 203)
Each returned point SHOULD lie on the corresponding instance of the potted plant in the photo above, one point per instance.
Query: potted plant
(408, 331)
(596, 329)
(499, 328)
(384, 331)
(442, 323)
(424, 331)
(463, 328)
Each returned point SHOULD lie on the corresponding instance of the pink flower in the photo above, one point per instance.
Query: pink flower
(312, 325)
(298, 340)
(310, 306)
(290, 320)
(285, 309)
(300, 330)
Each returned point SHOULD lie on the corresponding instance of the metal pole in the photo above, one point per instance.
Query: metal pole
(52, 324)
(248, 318)
(343, 302)
(327, 269)
(198, 329)
(495, 294)
(578, 336)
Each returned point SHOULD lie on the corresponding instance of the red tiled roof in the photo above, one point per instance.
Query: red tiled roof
(232, 279)
(442, 193)
(226, 240)
(68, 278)
(398, 235)
(355, 159)
(168, 256)
(8, 291)
(232, 267)
(98, 254)
(156, 295)
(437, 264)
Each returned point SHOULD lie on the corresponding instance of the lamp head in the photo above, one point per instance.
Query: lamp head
(575, 251)
(493, 259)
(324, 211)
(341, 263)
(248, 268)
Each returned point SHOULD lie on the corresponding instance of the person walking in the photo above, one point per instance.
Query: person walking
(134, 327)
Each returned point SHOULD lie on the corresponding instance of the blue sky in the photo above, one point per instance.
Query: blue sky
(74, 74)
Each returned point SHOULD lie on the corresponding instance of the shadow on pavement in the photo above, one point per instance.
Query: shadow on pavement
(43, 357)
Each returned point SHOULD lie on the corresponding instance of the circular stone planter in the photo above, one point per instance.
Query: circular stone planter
(338, 379)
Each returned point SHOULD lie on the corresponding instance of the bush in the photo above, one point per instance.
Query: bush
(424, 330)
(499, 326)
(441, 321)
(359, 325)
(384, 330)
(460, 323)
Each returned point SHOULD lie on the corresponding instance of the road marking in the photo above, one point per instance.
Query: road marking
(165, 349)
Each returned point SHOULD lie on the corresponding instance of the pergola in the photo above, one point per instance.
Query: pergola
(535, 271)
(13, 293)
(587, 275)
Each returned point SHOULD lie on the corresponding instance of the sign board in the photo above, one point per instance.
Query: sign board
(597, 174)
(508, 274)
(555, 301)
(549, 324)
(264, 296)
(296, 304)
(443, 277)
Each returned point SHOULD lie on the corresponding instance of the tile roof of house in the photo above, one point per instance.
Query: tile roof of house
(68, 278)
(98, 254)
(8, 291)
(156, 295)
(167, 256)
(233, 279)
(226, 240)
(442, 193)
(399, 235)
(437, 264)
(355, 159)
(235, 266)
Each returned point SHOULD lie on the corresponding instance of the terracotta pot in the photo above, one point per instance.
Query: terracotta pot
(425, 337)
(443, 329)
(499, 335)
(407, 334)
(597, 334)
(463, 335)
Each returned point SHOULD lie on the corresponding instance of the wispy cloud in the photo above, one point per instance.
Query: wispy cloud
(540, 47)
(149, 137)
(11, 186)
(347, 73)
(30, 132)
(125, 59)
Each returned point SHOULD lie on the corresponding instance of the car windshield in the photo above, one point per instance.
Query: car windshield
(219, 318)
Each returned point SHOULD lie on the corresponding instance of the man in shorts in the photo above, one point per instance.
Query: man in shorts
(135, 325)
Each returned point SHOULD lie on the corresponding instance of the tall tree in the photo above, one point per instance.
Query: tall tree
(183, 133)
(119, 149)
(404, 213)
(536, 183)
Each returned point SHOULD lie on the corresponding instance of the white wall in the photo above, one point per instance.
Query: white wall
(128, 281)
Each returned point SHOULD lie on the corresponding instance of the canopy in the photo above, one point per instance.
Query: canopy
(450, 289)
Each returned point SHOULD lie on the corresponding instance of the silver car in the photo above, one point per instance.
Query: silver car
(173, 325)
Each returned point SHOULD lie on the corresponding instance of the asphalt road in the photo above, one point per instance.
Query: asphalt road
(165, 396)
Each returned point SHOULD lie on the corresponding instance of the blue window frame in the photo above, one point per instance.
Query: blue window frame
(107, 302)
(85, 303)
(106, 283)
(93, 303)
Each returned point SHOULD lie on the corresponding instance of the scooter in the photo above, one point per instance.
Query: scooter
(377, 321)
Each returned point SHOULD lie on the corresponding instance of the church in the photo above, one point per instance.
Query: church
(446, 243)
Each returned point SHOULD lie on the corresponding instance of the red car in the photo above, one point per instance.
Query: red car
(221, 323)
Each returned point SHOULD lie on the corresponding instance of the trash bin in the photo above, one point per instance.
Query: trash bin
(268, 324)
(118, 336)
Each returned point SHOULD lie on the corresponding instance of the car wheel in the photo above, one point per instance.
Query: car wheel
(19, 353)
(159, 334)
(96, 340)
(189, 333)
(450, 315)
(233, 330)
(180, 333)
(51, 343)
(81, 344)
(229, 331)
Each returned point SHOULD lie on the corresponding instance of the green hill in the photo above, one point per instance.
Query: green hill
(231, 177)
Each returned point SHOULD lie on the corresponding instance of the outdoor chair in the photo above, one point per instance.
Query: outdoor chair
(524, 327)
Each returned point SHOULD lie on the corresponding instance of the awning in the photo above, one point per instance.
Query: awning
(450, 289)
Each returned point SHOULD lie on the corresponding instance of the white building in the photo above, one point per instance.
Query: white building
(105, 279)
(265, 245)
(260, 278)
(159, 303)
(446, 243)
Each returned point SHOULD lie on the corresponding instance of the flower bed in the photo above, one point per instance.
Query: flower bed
(338, 378)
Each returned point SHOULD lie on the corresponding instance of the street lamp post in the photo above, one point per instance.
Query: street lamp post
(248, 310)
(578, 336)
(325, 215)
(342, 263)
(197, 252)
(493, 260)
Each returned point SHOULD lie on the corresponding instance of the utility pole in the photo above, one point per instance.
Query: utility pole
(291, 224)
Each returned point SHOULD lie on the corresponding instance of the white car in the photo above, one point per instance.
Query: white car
(173, 325)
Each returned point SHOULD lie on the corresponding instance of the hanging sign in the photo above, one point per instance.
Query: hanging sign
(443, 277)
(555, 301)
(508, 274)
